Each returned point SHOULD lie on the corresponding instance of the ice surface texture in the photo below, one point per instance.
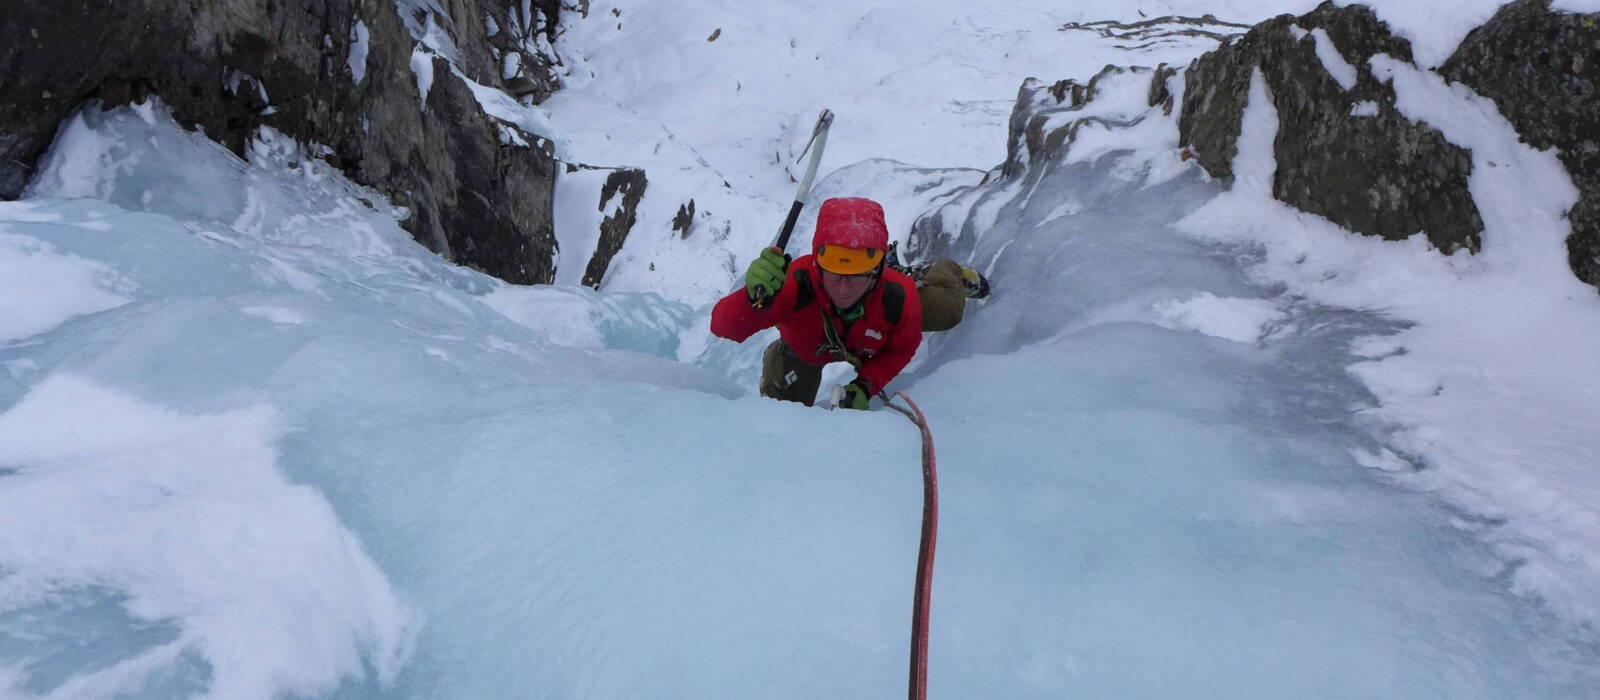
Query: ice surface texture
(307, 457)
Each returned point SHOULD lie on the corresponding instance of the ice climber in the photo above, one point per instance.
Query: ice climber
(842, 303)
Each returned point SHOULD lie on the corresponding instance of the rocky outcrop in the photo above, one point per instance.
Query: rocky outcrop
(683, 221)
(341, 76)
(1046, 120)
(1161, 88)
(1148, 33)
(1542, 69)
(1046, 117)
(619, 200)
(522, 44)
(1343, 150)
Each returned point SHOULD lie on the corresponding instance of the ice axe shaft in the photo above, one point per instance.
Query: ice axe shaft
(818, 142)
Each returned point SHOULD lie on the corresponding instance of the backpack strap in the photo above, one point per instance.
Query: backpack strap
(894, 301)
(804, 292)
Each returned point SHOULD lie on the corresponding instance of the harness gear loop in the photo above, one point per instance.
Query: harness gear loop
(833, 343)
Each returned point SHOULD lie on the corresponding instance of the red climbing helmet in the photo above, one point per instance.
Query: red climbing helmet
(851, 238)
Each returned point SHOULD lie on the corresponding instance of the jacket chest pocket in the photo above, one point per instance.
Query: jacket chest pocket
(868, 341)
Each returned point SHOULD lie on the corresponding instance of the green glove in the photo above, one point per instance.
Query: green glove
(854, 395)
(766, 274)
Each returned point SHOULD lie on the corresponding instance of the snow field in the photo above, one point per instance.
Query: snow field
(1497, 434)
(926, 84)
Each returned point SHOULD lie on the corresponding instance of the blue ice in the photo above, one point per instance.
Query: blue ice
(570, 494)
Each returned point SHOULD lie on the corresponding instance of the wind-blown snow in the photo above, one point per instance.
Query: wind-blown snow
(185, 521)
(1239, 320)
(41, 288)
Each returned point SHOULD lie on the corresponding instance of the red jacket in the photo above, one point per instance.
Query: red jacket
(884, 338)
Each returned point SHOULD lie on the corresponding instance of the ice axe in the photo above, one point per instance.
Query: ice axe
(819, 141)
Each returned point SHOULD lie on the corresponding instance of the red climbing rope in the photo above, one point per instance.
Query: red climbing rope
(930, 531)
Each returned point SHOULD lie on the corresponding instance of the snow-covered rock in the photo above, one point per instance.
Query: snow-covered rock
(1382, 175)
(388, 92)
(1347, 151)
(1541, 69)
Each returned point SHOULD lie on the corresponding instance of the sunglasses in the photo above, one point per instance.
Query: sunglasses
(851, 278)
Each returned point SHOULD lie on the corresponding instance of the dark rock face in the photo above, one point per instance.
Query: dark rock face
(1158, 31)
(478, 189)
(620, 195)
(1160, 92)
(1378, 175)
(1542, 69)
(683, 222)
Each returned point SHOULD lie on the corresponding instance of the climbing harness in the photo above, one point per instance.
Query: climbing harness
(930, 529)
(833, 343)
